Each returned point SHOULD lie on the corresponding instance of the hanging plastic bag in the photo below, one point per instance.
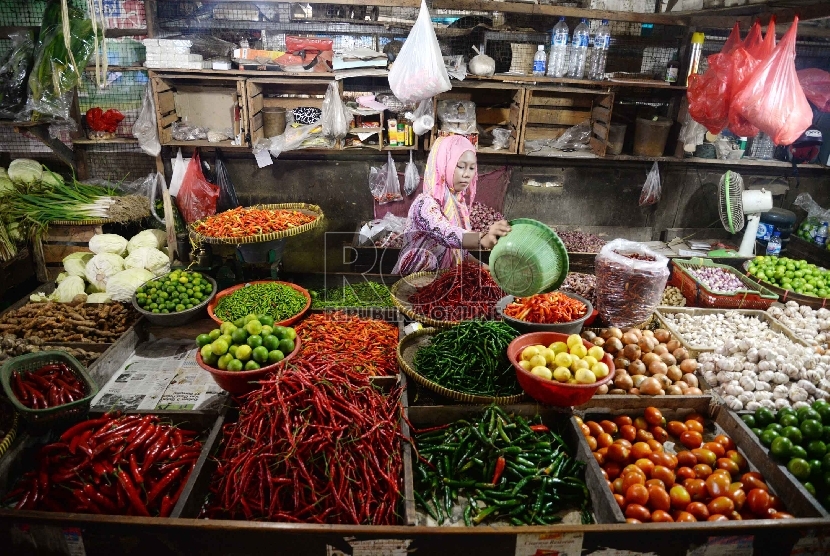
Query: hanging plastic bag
(815, 216)
(422, 118)
(745, 60)
(384, 184)
(650, 194)
(411, 177)
(336, 116)
(144, 128)
(197, 198)
(816, 85)
(227, 192)
(772, 98)
(179, 168)
(708, 93)
(300, 137)
(14, 70)
(418, 72)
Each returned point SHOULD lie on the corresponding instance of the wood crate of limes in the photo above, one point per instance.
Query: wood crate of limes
(246, 344)
(173, 293)
(569, 361)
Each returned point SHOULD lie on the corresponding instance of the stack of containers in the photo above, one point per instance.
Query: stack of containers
(172, 53)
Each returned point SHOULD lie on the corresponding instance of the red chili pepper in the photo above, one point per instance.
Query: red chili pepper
(163, 484)
(167, 506)
(132, 494)
(466, 291)
(135, 470)
(539, 428)
(84, 425)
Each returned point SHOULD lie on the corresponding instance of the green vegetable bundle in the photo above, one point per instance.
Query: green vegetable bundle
(276, 300)
(364, 294)
(498, 468)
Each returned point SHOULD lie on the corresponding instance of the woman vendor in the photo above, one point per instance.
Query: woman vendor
(437, 234)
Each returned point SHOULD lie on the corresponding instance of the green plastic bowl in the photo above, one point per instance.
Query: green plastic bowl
(530, 259)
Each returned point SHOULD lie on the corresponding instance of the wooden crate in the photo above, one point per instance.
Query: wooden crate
(215, 102)
(549, 112)
(58, 242)
(497, 105)
(281, 92)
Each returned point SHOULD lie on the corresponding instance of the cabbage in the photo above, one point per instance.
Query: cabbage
(51, 178)
(98, 298)
(122, 286)
(101, 267)
(108, 243)
(25, 171)
(38, 298)
(68, 289)
(148, 238)
(75, 264)
(5, 183)
(90, 289)
(61, 277)
(150, 259)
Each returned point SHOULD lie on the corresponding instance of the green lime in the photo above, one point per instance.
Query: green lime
(811, 429)
(805, 413)
(781, 447)
(824, 412)
(232, 349)
(260, 354)
(266, 330)
(223, 361)
(749, 420)
(819, 403)
(227, 327)
(810, 488)
(775, 427)
(290, 333)
(800, 468)
(286, 346)
(279, 332)
(253, 327)
(757, 432)
(202, 340)
(251, 366)
(249, 318)
(816, 448)
(239, 323)
(210, 360)
(793, 433)
(219, 347)
(227, 338)
(214, 334)
(788, 420)
(815, 469)
(239, 336)
(799, 452)
(206, 351)
(275, 356)
(243, 352)
(254, 341)
(764, 416)
(271, 342)
(266, 320)
(235, 365)
(767, 437)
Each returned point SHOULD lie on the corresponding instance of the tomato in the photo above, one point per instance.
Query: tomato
(728, 465)
(686, 459)
(781, 515)
(684, 473)
(628, 432)
(620, 500)
(684, 517)
(636, 511)
(618, 486)
(602, 451)
(586, 431)
(699, 510)
(656, 482)
(735, 456)
(658, 516)
(721, 505)
(734, 516)
(610, 485)
(618, 453)
(633, 479)
(775, 502)
(643, 435)
(752, 480)
(705, 456)
(738, 496)
(640, 423)
(636, 494)
(715, 447)
(646, 465)
(717, 517)
(579, 420)
(622, 420)
(592, 443)
(679, 497)
(758, 501)
(613, 469)
(631, 468)
(658, 498)
(653, 416)
(664, 474)
(702, 471)
(694, 425)
(609, 426)
(600, 458)
(660, 434)
(595, 428)
(624, 442)
(604, 439)
(632, 520)
(691, 439)
(695, 417)
(697, 489)
(664, 459)
(654, 445)
(604, 474)
(717, 485)
(724, 440)
(640, 450)
(676, 428)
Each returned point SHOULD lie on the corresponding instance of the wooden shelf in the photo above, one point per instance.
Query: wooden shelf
(746, 162)
(115, 140)
(172, 72)
(365, 130)
(501, 78)
(119, 68)
(221, 144)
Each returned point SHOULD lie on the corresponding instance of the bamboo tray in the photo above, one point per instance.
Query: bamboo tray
(404, 288)
(408, 347)
(311, 210)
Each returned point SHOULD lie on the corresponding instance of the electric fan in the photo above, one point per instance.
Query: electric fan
(734, 202)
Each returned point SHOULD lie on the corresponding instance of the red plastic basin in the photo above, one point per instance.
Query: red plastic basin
(287, 322)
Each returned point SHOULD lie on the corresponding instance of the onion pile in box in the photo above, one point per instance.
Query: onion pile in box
(581, 284)
(580, 242)
(482, 217)
(647, 363)
(246, 344)
(654, 480)
(569, 362)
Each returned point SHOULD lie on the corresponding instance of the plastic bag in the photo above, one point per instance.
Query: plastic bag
(300, 137)
(650, 194)
(14, 70)
(457, 116)
(709, 93)
(456, 68)
(816, 85)
(628, 289)
(144, 128)
(501, 138)
(691, 134)
(745, 60)
(482, 64)
(422, 120)
(418, 72)
(772, 98)
(197, 198)
(183, 131)
(575, 138)
(809, 227)
(336, 116)
(384, 183)
(179, 169)
(381, 231)
(411, 177)
(227, 193)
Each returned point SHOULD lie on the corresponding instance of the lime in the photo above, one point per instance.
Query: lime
(767, 437)
(206, 351)
(266, 320)
(810, 488)
(271, 342)
(805, 413)
(763, 416)
(249, 318)
(286, 346)
(815, 469)
(279, 332)
(793, 433)
(253, 327)
(202, 340)
(800, 468)
(214, 334)
(824, 412)
(260, 354)
(219, 347)
(223, 361)
(775, 427)
(243, 352)
(251, 366)
(239, 336)
(749, 420)
(816, 448)
(227, 337)
(235, 365)
(290, 334)
(758, 432)
(275, 356)
(210, 360)
(781, 447)
(799, 452)
(811, 428)
(788, 420)
(254, 341)
(266, 330)
(239, 323)
(227, 327)
(232, 349)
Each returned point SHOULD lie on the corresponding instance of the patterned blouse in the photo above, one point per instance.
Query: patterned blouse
(430, 240)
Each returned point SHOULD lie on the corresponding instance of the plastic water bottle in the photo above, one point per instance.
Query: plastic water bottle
(774, 244)
(558, 49)
(602, 40)
(821, 235)
(540, 61)
(579, 50)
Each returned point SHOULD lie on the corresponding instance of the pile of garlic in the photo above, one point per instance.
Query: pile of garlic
(713, 329)
(811, 325)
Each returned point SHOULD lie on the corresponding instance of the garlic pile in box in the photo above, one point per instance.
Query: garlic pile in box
(811, 325)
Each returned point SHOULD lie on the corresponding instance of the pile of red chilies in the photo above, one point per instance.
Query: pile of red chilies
(368, 344)
(49, 386)
(466, 292)
(317, 444)
(131, 465)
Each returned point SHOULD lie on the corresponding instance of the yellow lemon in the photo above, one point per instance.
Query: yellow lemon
(558, 347)
(525, 365)
(541, 372)
(585, 376)
(574, 340)
(600, 370)
(538, 361)
(529, 352)
(597, 353)
(550, 357)
(563, 359)
(590, 360)
(579, 350)
(561, 374)
(579, 364)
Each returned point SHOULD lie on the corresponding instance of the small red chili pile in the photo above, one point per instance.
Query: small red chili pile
(317, 444)
(369, 345)
(546, 308)
(251, 221)
(130, 465)
(466, 292)
(49, 386)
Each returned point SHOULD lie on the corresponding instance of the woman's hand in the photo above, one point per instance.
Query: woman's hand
(497, 230)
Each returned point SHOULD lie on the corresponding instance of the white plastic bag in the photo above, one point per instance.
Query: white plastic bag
(650, 194)
(422, 120)
(336, 116)
(144, 128)
(411, 177)
(300, 137)
(179, 168)
(418, 72)
(384, 183)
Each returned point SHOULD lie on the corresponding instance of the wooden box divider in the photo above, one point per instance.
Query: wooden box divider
(294, 93)
(58, 242)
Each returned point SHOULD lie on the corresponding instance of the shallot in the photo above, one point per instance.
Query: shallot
(718, 279)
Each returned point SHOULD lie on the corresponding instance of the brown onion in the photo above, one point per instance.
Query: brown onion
(660, 349)
(648, 334)
(668, 359)
(662, 335)
(612, 345)
(638, 380)
(603, 389)
(674, 390)
(623, 381)
(634, 391)
(645, 345)
(589, 335)
(694, 392)
(674, 373)
(630, 338)
(598, 341)
(691, 380)
(632, 351)
(665, 381)
(658, 367)
(688, 366)
(621, 362)
(680, 354)
(637, 367)
(649, 358)
(650, 386)
(673, 345)
(617, 392)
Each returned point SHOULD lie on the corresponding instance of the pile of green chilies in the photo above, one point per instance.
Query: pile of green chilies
(364, 294)
(507, 468)
(276, 300)
(471, 358)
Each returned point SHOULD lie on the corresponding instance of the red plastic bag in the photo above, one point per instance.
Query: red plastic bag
(709, 93)
(816, 85)
(772, 98)
(197, 197)
(745, 60)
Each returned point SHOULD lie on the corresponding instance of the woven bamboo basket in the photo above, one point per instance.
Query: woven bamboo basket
(311, 210)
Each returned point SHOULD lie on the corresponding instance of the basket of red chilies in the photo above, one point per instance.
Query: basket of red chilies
(48, 388)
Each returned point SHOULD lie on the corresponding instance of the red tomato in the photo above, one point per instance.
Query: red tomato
(658, 516)
(600, 458)
(643, 435)
(781, 515)
(618, 486)
(679, 497)
(602, 451)
(592, 443)
(654, 445)
(640, 450)
(717, 517)
(631, 468)
(775, 502)
(658, 498)
(632, 520)
(691, 439)
(717, 485)
(694, 425)
(622, 420)
(618, 453)
(660, 434)
(676, 428)
(640, 423)
(695, 417)
(702, 470)
(752, 480)
(735, 516)
(653, 416)
(686, 459)
(656, 482)
(604, 439)
(636, 511)
(697, 489)
(610, 485)
(665, 459)
(613, 469)
(705, 456)
(595, 428)
(628, 432)
(727, 442)
(721, 505)
(609, 426)
(718, 449)
(728, 465)
(620, 499)
(684, 517)
(586, 430)
(604, 474)
(636, 494)
(664, 474)
(738, 496)
(633, 479)
(699, 510)
(685, 473)
(735, 456)
(646, 465)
